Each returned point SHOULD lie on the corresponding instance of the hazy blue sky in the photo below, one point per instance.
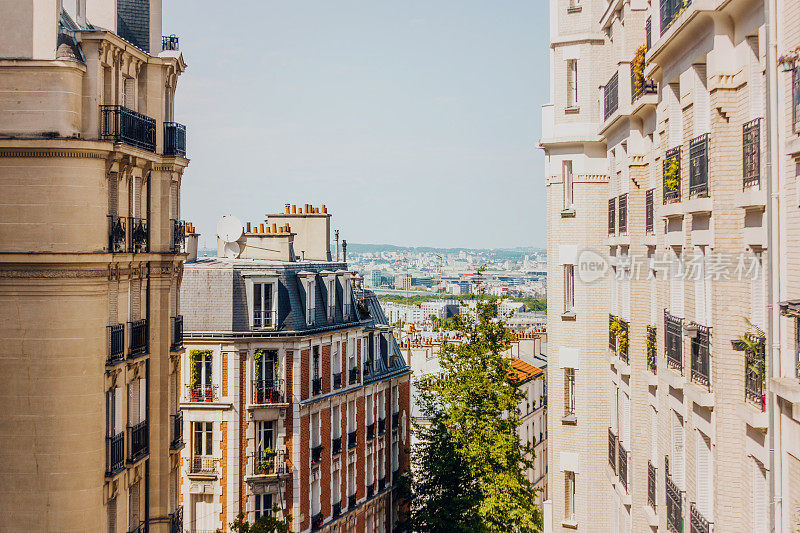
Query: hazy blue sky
(415, 122)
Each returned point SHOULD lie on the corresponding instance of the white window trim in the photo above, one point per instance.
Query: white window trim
(250, 282)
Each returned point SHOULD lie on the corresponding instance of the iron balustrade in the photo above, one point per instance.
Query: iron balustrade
(395, 420)
(139, 337)
(316, 386)
(353, 376)
(116, 234)
(701, 356)
(139, 234)
(202, 393)
(371, 431)
(697, 522)
(672, 187)
(751, 153)
(141, 527)
(178, 235)
(648, 211)
(139, 440)
(612, 450)
(612, 213)
(381, 483)
(177, 431)
(370, 490)
(381, 426)
(203, 465)
(623, 464)
(337, 509)
(336, 445)
(796, 100)
(123, 125)
(612, 337)
(316, 454)
(611, 95)
(648, 32)
(177, 333)
(264, 319)
(115, 453)
(174, 139)
(116, 344)
(623, 346)
(651, 485)
(670, 10)
(698, 166)
(641, 85)
(673, 327)
(352, 439)
(652, 349)
(268, 391)
(337, 380)
(754, 372)
(169, 42)
(316, 521)
(270, 463)
(351, 501)
(622, 223)
(674, 501)
(176, 520)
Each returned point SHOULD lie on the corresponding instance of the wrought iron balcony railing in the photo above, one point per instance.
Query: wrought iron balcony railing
(673, 328)
(140, 235)
(612, 450)
(754, 372)
(169, 42)
(612, 337)
(177, 333)
(371, 431)
(116, 234)
(138, 440)
(337, 509)
(370, 490)
(316, 521)
(264, 319)
(697, 522)
(141, 527)
(203, 465)
(177, 431)
(266, 463)
(670, 10)
(672, 175)
(351, 501)
(353, 376)
(641, 85)
(701, 356)
(611, 96)
(368, 367)
(337, 381)
(623, 464)
(139, 337)
(202, 393)
(116, 344)
(123, 125)
(178, 235)
(622, 223)
(115, 453)
(381, 483)
(176, 520)
(336, 445)
(698, 166)
(648, 211)
(612, 213)
(174, 139)
(651, 485)
(352, 439)
(268, 391)
(674, 500)
(751, 153)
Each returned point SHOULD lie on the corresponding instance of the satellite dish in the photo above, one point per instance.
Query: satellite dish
(231, 250)
(229, 228)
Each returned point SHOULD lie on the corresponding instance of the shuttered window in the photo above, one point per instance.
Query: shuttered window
(675, 115)
(758, 298)
(755, 81)
(705, 477)
(129, 93)
(112, 516)
(676, 287)
(113, 193)
(698, 275)
(625, 430)
(676, 463)
(134, 509)
(653, 436)
(702, 101)
(572, 82)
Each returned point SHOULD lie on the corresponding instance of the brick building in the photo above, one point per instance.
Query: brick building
(294, 392)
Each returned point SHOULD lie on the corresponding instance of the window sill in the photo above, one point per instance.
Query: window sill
(572, 110)
(570, 523)
(570, 419)
(574, 9)
(568, 213)
(569, 315)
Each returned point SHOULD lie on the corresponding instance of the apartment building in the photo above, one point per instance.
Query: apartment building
(675, 297)
(91, 164)
(294, 394)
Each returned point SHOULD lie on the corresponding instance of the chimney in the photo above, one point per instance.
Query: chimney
(344, 250)
(336, 237)
(287, 208)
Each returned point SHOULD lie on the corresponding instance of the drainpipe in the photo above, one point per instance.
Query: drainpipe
(773, 253)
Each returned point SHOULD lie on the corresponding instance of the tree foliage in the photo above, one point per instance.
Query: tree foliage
(264, 524)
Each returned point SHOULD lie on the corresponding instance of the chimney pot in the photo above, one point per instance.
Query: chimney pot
(274, 228)
(248, 227)
(287, 209)
(268, 229)
(324, 209)
(294, 209)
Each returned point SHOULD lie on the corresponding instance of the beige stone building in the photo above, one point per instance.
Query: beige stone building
(670, 407)
(90, 264)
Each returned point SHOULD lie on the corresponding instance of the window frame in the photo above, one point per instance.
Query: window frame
(202, 437)
(567, 178)
(572, 84)
(569, 288)
(269, 317)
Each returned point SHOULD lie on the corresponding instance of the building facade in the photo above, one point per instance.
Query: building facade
(294, 394)
(90, 172)
(679, 388)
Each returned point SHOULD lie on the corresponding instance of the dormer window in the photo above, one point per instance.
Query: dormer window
(311, 301)
(264, 305)
(331, 282)
(347, 297)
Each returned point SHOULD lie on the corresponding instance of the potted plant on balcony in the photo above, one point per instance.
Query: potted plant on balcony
(786, 61)
(638, 67)
(672, 177)
(267, 463)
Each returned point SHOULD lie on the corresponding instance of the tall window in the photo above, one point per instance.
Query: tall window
(266, 369)
(315, 364)
(331, 299)
(572, 83)
(265, 435)
(705, 477)
(347, 297)
(201, 369)
(676, 463)
(263, 316)
(310, 301)
(569, 391)
(569, 288)
(566, 171)
(203, 439)
(263, 505)
(569, 495)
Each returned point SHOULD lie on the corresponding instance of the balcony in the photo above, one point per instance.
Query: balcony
(177, 333)
(316, 386)
(178, 235)
(623, 214)
(116, 344)
(316, 454)
(371, 431)
(203, 466)
(169, 42)
(174, 139)
(266, 463)
(674, 502)
(202, 393)
(353, 376)
(670, 10)
(651, 485)
(698, 166)
(352, 439)
(264, 319)
(139, 337)
(268, 391)
(612, 337)
(648, 211)
(701, 357)
(623, 465)
(381, 426)
(177, 431)
(351, 501)
(381, 483)
(754, 372)
(751, 154)
(697, 522)
(337, 381)
(611, 96)
(336, 445)
(672, 175)
(316, 521)
(140, 235)
(641, 85)
(370, 490)
(115, 454)
(116, 234)
(612, 212)
(673, 346)
(139, 440)
(652, 349)
(141, 527)
(122, 125)
(395, 420)
(337, 509)
(612, 450)
(176, 520)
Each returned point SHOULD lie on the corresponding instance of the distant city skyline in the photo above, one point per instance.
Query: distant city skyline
(409, 116)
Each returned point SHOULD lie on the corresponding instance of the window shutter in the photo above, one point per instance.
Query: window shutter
(625, 430)
(676, 463)
(133, 403)
(760, 519)
(626, 294)
(110, 410)
(755, 79)
(128, 95)
(112, 516)
(698, 273)
(757, 294)
(134, 510)
(113, 193)
(142, 399)
(135, 292)
(119, 412)
(675, 289)
(675, 116)
(173, 200)
(653, 436)
(702, 102)
(704, 477)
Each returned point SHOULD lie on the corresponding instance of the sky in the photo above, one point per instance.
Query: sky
(414, 122)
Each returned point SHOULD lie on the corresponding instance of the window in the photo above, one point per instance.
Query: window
(569, 495)
(203, 439)
(569, 391)
(569, 288)
(201, 371)
(797, 347)
(263, 505)
(331, 299)
(705, 477)
(572, 83)
(316, 382)
(311, 304)
(676, 463)
(266, 369)
(347, 297)
(263, 305)
(566, 171)
(265, 435)
(796, 100)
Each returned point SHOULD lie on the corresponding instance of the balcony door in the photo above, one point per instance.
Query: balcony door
(202, 372)
(265, 435)
(203, 446)
(263, 305)
(267, 369)
(203, 513)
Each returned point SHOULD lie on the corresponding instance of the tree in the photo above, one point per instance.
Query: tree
(480, 414)
(264, 524)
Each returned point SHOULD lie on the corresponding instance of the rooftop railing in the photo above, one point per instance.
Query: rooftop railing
(121, 124)
(169, 42)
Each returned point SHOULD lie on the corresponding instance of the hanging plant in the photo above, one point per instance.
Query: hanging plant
(672, 177)
(194, 363)
(638, 67)
(257, 357)
(652, 350)
(786, 61)
(619, 328)
(752, 341)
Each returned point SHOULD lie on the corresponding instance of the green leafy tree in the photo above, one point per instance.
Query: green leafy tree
(264, 524)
